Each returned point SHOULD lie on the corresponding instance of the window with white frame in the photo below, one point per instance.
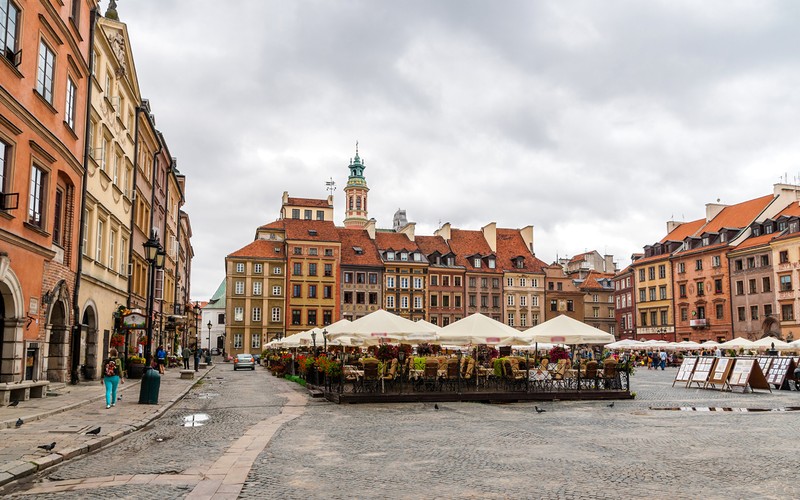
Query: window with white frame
(69, 108)
(509, 281)
(237, 340)
(256, 314)
(403, 282)
(238, 313)
(277, 270)
(390, 282)
(9, 29)
(258, 268)
(523, 283)
(404, 302)
(510, 319)
(255, 341)
(535, 301)
(417, 302)
(535, 282)
(390, 302)
(37, 196)
(523, 319)
(239, 288)
(240, 267)
(534, 319)
(112, 251)
(257, 287)
(276, 314)
(523, 300)
(491, 263)
(98, 247)
(46, 70)
(417, 283)
(510, 300)
(123, 255)
(276, 290)
(476, 262)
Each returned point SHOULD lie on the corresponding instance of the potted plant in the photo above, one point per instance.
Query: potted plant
(135, 366)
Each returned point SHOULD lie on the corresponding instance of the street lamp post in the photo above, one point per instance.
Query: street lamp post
(154, 255)
(209, 339)
(151, 380)
(196, 325)
(314, 339)
(325, 339)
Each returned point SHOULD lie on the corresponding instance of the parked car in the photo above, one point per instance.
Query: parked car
(244, 361)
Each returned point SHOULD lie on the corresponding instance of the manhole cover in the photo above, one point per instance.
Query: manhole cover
(195, 420)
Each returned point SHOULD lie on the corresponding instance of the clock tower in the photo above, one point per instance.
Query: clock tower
(355, 195)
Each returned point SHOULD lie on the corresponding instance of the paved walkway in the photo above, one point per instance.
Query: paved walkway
(64, 417)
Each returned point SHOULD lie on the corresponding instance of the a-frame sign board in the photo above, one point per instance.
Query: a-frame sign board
(779, 370)
(719, 375)
(702, 370)
(747, 373)
(685, 370)
(764, 362)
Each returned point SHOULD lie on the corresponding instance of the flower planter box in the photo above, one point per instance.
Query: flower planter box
(135, 370)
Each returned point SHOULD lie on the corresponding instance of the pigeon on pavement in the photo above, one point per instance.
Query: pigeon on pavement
(539, 410)
(48, 447)
(436, 406)
(611, 405)
(14, 403)
(19, 422)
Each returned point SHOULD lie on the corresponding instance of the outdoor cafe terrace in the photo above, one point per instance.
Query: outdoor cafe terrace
(404, 361)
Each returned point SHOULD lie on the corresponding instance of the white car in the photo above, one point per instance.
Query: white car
(244, 361)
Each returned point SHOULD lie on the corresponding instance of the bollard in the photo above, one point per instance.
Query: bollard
(151, 383)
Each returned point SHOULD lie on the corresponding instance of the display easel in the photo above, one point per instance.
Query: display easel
(764, 363)
(747, 373)
(779, 370)
(702, 370)
(685, 370)
(719, 375)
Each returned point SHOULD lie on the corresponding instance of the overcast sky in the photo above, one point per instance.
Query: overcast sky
(595, 122)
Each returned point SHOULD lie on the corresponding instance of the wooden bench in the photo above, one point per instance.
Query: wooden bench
(22, 391)
(187, 374)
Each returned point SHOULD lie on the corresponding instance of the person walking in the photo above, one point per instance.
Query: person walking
(187, 353)
(663, 356)
(161, 359)
(111, 377)
(196, 352)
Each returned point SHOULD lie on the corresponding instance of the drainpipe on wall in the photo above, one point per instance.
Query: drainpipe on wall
(76, 327)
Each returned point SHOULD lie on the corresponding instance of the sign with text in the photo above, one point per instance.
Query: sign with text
(134, 321)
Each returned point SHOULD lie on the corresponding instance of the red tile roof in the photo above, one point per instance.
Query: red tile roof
(581, 257)
(394, 241)
(684, 230)
(302, 230)
(591, 283)
(466, 243)
(351, 238)
(755, 241)
(260, 248)
(430, 244)
(308, 202)
(792, 210)
(739, 215)
(510, 245)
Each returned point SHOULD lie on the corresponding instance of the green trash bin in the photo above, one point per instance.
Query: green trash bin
(148, 390)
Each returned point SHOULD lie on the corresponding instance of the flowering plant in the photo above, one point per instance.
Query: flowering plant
(329, 367)
(117, 340)
(386, 352)
(136, 359)
(558, 352)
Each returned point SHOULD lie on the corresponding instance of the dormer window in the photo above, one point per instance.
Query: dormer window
(389, 255)
(705, 241)
(404, 256)
(449, 261)
(358, 250)
(417, 257)
(768, 229)
(781, 225)
(756, 231)
(312, 232)
(476, 262)
(723, 237)
(520, 263)
(491, 263)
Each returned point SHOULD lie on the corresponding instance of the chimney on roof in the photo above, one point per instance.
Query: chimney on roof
(527, 236)
(490, 235)
(609, 264)
(673, 225)
(330, 200)
(713, 209)
(370, 228)
(408, 230)
(443, 231)
(285, 198)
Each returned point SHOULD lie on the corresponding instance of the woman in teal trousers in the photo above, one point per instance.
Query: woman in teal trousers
(112, 377)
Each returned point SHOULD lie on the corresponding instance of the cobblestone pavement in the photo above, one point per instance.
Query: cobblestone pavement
(233, 400)
(461, 450)
(573, 450)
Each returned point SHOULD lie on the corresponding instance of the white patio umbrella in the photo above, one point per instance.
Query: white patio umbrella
(565, 330)
(624, 344)
(303, 339)
(709, 344)
(769, 342)
(795, 344)
(738, 343)
(382, 324)
(476, 329)
(688, 345)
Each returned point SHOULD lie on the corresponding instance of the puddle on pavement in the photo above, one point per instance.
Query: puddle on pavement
(195, 420)
(723, 409)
